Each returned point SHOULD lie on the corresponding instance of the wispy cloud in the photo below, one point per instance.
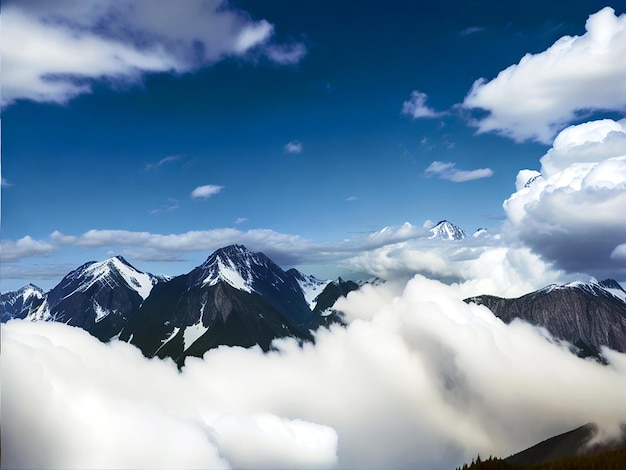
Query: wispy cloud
(172, 205)
(240, 220)
(163, 161)
(5, 183)
(448, 171)
(295, 146)
(352, 198)
(206, 191)
(471, 30)
(416, 106)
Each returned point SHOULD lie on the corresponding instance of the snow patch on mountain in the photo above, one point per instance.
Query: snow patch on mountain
(140, 282)
(226, 270)
(310, 285)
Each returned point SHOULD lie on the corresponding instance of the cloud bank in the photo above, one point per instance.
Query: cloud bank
(540, 95)
(64, 45)
(572, 212)
(425, 380)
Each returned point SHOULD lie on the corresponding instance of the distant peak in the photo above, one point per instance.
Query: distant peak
(446, 230)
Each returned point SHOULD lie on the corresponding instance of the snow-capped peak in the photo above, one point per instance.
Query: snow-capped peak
(481, 232)
(445, 230)
(103, 272)
(593, 287)
(235, 265)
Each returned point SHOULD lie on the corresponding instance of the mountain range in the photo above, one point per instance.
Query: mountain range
(240, 298)
(236, 297)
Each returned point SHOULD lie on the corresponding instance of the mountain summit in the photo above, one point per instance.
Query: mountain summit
(445, 230)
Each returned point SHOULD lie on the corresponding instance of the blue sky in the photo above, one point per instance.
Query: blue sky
(162, 132)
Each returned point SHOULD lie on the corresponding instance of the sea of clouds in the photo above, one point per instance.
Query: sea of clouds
(418, 379)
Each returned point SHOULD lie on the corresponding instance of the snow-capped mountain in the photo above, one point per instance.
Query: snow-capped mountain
(479, 233)
(20, 303)
(588, 315)
(445, 230)
(97, 296)
(236, 298)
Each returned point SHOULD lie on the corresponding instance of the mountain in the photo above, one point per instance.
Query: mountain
(235, 298)
(481, 232)
(445, 230)
(97, 297)
(587, 315)
(20, 303)
(568, 444)
(568, 451)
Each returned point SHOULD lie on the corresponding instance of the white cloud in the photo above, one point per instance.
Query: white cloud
(286, 54)
(448, 171)
(5, 183)
(294, 146)
(65, 44)
(430, 380)
(537, 97)
(416, 106)
(240, 220)
(573, 214)
(485, 265)
(206, 191)
(25, 247)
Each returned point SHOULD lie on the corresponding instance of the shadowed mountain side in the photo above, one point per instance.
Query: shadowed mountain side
(568, 451)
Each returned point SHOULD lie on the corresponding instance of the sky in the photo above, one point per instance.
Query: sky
(162, 133)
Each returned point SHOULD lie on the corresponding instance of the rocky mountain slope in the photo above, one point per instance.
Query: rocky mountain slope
(588, 315)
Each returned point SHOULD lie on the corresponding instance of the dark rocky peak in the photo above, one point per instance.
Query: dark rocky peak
(611, 284)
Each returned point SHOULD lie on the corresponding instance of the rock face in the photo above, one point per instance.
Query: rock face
(588, 315)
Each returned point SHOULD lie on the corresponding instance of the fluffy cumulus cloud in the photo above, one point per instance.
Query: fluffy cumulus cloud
(206, 191)
(448, 171)
(572, 212)
(537, 97)
(418, 379)
(416, 106)
(52, 50)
